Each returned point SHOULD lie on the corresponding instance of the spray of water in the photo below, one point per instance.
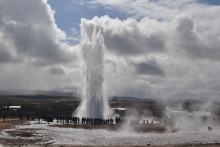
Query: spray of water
(94, 104)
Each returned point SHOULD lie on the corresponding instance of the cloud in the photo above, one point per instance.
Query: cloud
(188, 26)
(159, 9)
(5, 56)
(32, 47)
(150, 68)
(166, 49)
(127, 37)
(185, 46)
(57, 71)
(31, 35)
(184, 34)
(197, 40)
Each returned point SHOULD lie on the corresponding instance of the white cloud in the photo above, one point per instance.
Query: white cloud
(128, 37)
(167, 49)
(30, 34)
(30, 45)
(159, 9)
(57, 71)
(183, 43)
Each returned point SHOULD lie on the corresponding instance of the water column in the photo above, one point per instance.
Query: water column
(94, 104)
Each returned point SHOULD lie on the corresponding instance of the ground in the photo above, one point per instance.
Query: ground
(34, 134)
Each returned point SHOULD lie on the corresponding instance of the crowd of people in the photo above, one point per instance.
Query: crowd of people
(83, 120)
(97, 121)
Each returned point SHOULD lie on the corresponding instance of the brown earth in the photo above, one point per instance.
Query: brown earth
(9, 123)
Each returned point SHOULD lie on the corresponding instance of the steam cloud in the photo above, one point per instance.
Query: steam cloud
(95, 104)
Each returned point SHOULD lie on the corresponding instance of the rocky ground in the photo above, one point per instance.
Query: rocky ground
(33, 134)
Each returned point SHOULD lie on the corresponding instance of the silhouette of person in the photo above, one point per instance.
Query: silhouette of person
(20, 117)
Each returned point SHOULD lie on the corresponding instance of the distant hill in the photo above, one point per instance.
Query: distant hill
(24, 92)
(124, 98)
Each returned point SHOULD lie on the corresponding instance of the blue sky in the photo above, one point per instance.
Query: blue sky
(211, 2)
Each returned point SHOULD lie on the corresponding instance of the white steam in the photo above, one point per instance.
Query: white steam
(199, 119)
(95, 104)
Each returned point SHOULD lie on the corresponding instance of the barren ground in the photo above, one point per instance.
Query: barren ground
(23, 136)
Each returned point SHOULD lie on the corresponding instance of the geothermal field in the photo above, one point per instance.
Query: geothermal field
(96, 121)
(124, 73)
(190, 130)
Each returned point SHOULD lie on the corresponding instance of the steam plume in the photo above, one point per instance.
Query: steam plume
(94, 104)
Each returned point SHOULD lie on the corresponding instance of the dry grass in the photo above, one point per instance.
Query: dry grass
(9, 123)
(6, 126)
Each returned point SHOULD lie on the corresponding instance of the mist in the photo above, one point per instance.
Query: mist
(95, 103)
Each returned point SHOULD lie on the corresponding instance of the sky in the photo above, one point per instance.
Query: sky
(153, 48)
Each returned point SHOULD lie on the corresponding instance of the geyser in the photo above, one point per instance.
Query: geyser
(94, 104)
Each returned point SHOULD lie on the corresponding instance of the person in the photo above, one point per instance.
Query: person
(4, 118)
(20, 117)
(116, 120)
(64, 119)
(57, 119)
(143, 121)
(112, 120)
(78, 119)
(91, 120)
(67, 120)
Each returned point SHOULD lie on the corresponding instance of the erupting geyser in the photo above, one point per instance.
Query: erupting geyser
(94, 104)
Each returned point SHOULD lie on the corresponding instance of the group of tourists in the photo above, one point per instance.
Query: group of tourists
(147, 122)
(76, 120)
(97, 121)
(119, 120)
(64, 120)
